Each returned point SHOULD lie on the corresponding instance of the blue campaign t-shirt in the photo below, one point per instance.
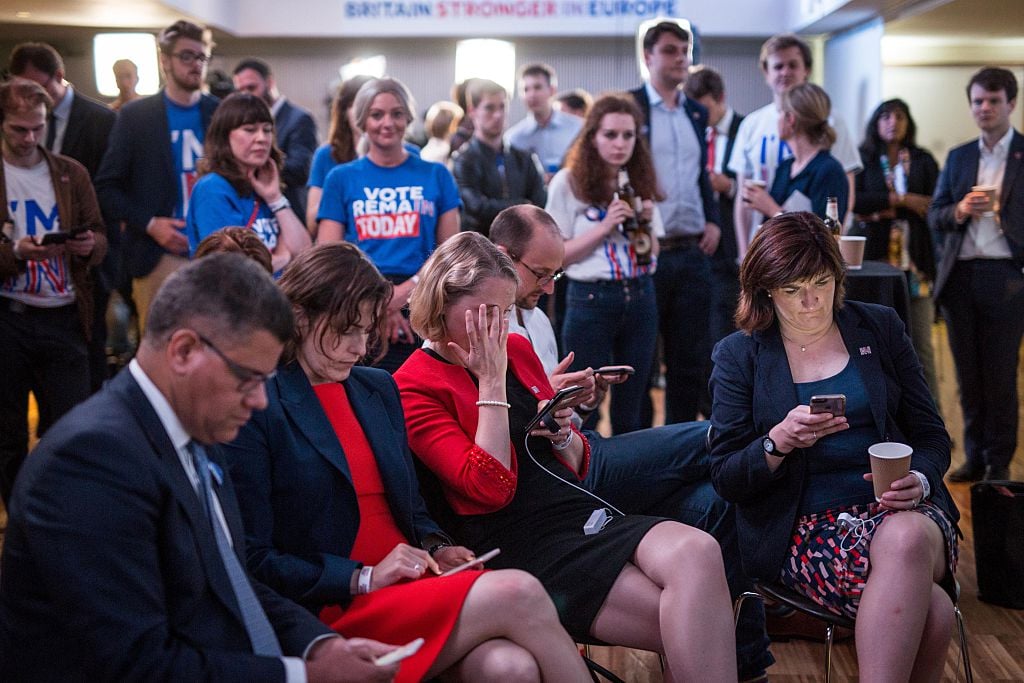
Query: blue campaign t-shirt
(390, 213)
(216, 205)
(324, 163)
(187, 135)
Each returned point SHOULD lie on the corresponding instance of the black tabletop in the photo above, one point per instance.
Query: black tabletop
(880, 283)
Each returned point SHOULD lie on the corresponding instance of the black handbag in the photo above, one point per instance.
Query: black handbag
(997, 508)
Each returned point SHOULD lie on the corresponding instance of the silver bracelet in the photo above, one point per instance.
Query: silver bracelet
(365, 577)
(496, 404)
(280, 205)
(565, 444)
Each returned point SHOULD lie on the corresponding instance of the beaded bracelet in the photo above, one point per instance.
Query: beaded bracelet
(365, 577)
(437, 546)
(496, 404)
(565, 444)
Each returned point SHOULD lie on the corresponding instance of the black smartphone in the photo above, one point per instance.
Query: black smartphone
(829, 403)
(615, 370)
(547, 415)
(60, 237)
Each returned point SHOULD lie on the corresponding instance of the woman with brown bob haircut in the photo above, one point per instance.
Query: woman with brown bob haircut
(240, 181)
(806, 509)
(609, 290)
(332, 508)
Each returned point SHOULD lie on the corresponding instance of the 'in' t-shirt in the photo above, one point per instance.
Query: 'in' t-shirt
(187, 135)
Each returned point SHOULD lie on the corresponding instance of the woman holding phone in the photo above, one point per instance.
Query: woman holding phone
(333, 515)
(240, 183)
(470, 395)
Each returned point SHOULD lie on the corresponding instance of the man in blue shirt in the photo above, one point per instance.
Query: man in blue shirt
(545, 131)
(150, 167)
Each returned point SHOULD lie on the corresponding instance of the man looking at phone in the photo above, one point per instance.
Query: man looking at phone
(52, 233)
(660, 471)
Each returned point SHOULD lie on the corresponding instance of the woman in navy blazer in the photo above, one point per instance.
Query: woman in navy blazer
(792, 473)
(306, 468)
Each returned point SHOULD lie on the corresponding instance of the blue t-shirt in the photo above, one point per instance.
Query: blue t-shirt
(324, 163)
(821, 178)
(836, 463)
(187, 135)
(390, 213)
(216, 205)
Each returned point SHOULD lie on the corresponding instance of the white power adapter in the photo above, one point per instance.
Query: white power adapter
(598, 519)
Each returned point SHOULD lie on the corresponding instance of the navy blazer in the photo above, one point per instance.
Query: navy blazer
(699, 118)
(295, 487)
(87, 132)
(136, 180)
(296, 137)
(958, 176)
(110, 568)
(752, 390)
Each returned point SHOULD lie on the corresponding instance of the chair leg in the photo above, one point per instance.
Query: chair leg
(964, 652)
(738, 605)
(829, 632)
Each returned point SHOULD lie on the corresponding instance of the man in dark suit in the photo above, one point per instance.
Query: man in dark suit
(295, 128)
(78, 127)
(124, 557)
(675, 130)
(147, 175)
(491, 174)
(978, 208)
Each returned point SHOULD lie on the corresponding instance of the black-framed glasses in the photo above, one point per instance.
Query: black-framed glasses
(248, 379)
(187, 57)
(542, 280)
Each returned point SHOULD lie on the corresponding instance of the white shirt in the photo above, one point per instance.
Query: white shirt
(721, 142)
(295, 668)
(984, 237)
(538, 330)
(61, 113)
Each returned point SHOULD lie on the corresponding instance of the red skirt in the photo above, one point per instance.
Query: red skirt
(427, 608)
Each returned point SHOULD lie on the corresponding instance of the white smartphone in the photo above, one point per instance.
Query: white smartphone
(399, 653)
(475, 562)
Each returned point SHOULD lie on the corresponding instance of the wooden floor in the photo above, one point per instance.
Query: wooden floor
(995, 635)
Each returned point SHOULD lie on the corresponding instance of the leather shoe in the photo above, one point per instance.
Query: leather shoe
(996, 473)
(967, 472)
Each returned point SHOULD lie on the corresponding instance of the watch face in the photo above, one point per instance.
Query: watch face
(769, 445)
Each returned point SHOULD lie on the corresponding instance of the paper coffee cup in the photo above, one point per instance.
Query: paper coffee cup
(889, 461)
(991, 191)
(851, 247)
(759, 183)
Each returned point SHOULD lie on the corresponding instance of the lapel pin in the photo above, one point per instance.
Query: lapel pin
(865, 350)
(1017, 155)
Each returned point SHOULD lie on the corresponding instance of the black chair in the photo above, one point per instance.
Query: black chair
(803, 604)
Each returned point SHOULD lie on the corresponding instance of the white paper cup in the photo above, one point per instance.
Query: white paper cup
(889, 461)
(852, 249)
(991, 191)
(759, 183)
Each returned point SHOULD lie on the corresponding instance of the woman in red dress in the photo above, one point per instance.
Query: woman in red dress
(333, 513)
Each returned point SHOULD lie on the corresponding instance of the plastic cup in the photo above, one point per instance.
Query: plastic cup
(991, 191)
(889, 461)
(851, 247)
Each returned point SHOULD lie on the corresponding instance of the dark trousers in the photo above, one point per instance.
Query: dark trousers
(665, 472)
(41, 350)
(614, 323)
(684, 287)
(983, 304)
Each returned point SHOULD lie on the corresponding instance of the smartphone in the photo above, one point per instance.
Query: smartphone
(829, 403)
(399, 653)
(547, 415)
(615, 370)
(475, 562)
(60, 237)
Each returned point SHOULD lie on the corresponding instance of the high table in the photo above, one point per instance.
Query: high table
(880, 283)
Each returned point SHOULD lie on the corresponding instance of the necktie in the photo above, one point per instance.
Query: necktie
(712, 135)
(51, 131)
(261, 633)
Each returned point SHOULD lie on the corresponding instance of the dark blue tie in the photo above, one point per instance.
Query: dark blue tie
(261, 633)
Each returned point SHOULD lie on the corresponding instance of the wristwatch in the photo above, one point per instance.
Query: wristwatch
(768, 444)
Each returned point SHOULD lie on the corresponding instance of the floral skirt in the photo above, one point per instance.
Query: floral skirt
(830, 565)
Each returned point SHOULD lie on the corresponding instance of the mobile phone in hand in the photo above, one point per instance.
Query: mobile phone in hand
(829, 403)
(547, 414)
(615, 370)
(475, 562)
(399, 653)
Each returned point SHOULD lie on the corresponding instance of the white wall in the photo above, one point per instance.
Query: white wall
(853, 74)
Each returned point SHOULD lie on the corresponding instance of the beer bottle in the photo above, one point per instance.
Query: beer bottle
(635, 227)
(832, 217)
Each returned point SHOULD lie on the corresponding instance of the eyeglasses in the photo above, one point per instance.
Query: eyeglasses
(542, 280)
(248, 379)
(188, 56)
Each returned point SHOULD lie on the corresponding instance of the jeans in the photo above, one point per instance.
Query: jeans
(614, 322)
(685, 291)
(665, 472)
